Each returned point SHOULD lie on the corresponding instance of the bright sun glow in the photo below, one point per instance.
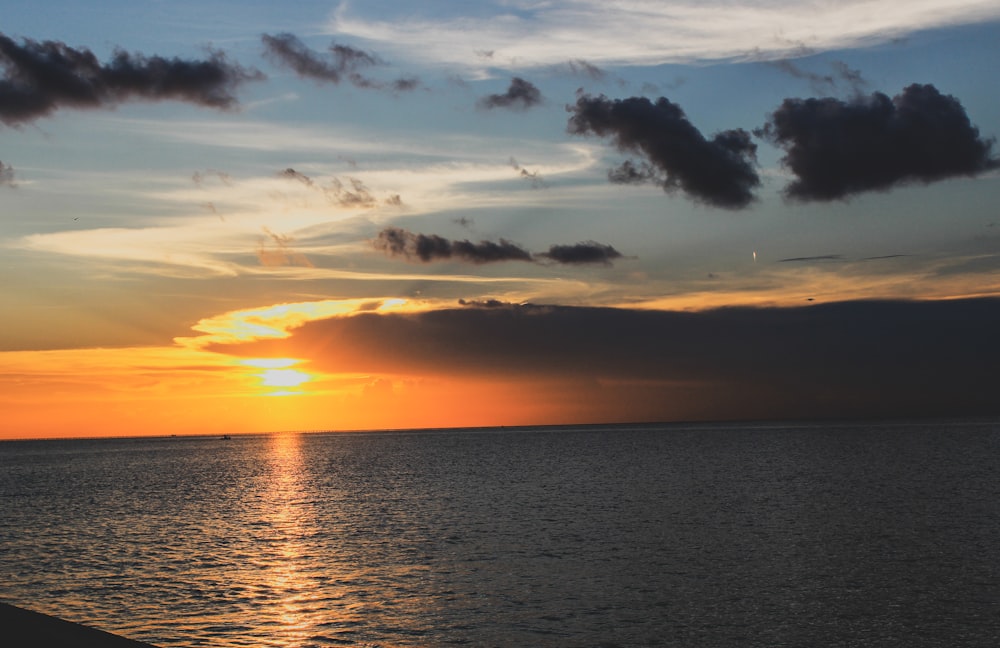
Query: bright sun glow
(270, 363)
(284, 378)
(278, 372)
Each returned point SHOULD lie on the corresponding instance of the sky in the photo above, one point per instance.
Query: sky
(220, 217)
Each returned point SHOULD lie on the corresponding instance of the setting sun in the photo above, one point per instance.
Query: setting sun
(284, 378)
(278, 373)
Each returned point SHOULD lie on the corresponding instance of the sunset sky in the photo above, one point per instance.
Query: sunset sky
(225, 217)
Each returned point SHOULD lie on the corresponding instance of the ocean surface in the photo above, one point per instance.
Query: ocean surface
(862, 534)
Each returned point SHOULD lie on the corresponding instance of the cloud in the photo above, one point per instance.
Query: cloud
(842, 74)
(275, 251)
(210, 206)
(645, 32)
(534, 177)
(41, 77)
(398, 242)
(520, 95)
(858, 359)
(885, 256)
(292, 174)
(822, 257)
(340, 63)
(629, 172)
(353, 193)
(7, 175)
(198, 177)
(582, 253)
(356, 195)
(395, 241)
(589, 70)
(718, 172)
(839, 148)
(406, 84)
(485, 303)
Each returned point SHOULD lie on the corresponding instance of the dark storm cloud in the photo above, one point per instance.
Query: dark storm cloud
(839, 148)
(629, 172)
(719, 171)
(849, 359)
(520, 95)
(395, 241)
(41, 77)
(7, 175)
(425, 248)
(582, 253)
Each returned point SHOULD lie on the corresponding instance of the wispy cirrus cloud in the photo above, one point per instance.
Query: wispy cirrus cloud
(7, 175)
(338, 63)
(650, 32)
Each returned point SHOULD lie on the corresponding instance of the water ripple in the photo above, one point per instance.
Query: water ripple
(702, 535)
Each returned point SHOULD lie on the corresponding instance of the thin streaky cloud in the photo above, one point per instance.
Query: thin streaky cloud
(7, 175)
(633, 32)
(339, 63)
(821, 257)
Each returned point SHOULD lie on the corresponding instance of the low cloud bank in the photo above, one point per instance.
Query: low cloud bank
(858, 359)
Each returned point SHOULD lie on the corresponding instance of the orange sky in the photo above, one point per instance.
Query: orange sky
(185, 389)
(335, 221)
(358, 364)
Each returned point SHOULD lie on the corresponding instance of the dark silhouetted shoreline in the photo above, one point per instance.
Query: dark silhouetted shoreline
(26, 628)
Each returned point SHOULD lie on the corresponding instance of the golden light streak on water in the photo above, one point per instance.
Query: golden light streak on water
(288, 519)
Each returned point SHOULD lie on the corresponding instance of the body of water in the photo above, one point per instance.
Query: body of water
(867, 534)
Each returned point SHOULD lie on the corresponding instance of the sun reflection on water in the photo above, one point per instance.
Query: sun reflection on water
(287, 518)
